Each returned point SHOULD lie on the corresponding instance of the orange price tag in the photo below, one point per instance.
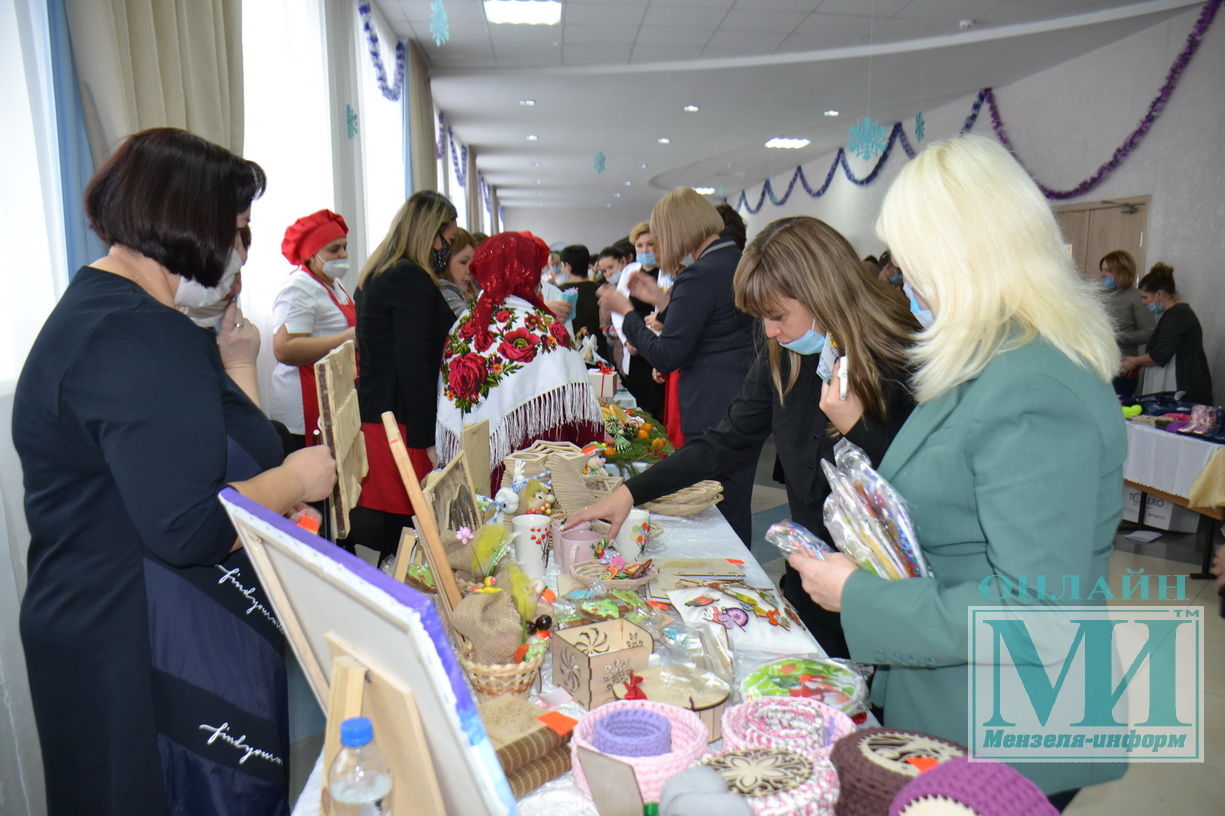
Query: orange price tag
(557, 722)
(736, 561)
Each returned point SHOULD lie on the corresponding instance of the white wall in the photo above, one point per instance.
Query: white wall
(1065, 122)
(595, 227)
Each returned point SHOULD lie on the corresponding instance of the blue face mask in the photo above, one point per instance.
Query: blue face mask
(895, 279)
(1109, 282)
(924, 316)
(811, 343)
(1156, 308)
(647, 259)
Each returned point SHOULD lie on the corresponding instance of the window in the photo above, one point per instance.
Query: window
(289, 133)
(382, 134)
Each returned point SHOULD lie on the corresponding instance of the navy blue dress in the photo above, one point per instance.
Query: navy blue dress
(155, 662)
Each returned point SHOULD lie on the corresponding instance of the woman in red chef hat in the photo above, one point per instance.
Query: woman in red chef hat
(312, 315)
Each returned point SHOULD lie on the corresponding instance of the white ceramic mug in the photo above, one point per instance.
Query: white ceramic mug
(531, 543)
(634, 536)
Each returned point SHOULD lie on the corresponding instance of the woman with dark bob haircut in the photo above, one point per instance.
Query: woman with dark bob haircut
(154, 658)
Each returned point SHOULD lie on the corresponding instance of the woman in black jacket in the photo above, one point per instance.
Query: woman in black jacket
(806, 283)
(1174, 358)
(402, 322)
(705, 336)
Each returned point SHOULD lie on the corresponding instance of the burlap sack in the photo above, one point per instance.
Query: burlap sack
(491, 624)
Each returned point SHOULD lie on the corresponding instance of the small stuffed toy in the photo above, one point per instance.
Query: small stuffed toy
(536, 498)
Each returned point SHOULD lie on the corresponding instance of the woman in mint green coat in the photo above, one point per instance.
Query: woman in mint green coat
(1011, 462)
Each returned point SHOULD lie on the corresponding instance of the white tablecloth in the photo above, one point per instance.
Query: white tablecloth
(1166, 461)
(706, 535)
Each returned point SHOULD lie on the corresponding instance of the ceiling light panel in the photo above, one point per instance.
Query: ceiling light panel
(523, 12)
(783, 143)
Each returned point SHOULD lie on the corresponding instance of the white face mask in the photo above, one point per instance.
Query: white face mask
(336, 268)
(205, 304)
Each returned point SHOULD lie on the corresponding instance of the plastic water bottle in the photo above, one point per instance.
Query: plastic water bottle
(360, 778)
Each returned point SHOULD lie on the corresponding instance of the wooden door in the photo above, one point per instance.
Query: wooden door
(1096, 228)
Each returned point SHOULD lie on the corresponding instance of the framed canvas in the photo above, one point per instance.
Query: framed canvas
(320, 593)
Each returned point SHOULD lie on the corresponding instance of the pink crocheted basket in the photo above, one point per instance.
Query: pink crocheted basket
(689, 737)
(794, 723)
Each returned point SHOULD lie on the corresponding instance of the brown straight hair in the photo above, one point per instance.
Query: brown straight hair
(174, 198)
(411, 235)
(809, 261)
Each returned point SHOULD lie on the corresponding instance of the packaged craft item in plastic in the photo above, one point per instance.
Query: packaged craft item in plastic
(796, 539)
(833, 682)
(868, 519)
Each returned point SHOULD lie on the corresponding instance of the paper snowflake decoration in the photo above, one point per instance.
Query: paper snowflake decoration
(440, 27)
(867, 138)
(920, 126)
(351, 121)
(598, 161)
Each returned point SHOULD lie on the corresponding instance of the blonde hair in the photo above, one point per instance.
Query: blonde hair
(411, 234)
(980, 244)
(806, 260)
(680, 222)
(638, 230)
(1122, 266)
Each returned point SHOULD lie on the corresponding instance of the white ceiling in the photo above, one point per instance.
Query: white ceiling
(615, 75)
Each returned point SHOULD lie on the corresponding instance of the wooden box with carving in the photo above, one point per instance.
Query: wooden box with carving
(593, 662)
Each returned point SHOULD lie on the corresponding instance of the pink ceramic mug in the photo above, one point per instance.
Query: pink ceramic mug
(575, 547)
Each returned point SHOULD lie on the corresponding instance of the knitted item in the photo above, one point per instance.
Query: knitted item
(982, 788)
(777, 782)
(795, 723)
(875, 763)
(633, 732)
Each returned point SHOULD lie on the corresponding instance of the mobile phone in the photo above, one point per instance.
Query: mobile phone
(829, 355)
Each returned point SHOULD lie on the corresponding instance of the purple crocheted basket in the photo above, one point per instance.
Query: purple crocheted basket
(986, 788)
(633, 733)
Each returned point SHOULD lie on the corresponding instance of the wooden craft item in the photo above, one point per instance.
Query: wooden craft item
(449, 491)
(535, 458)
(518, 735)
(678, 573)
(359, 691)
(404, 555)
(686, 687)
(613, 783)
(340, 428)
(569, 487)
(424, 521)
(474, 448)
(593, 662)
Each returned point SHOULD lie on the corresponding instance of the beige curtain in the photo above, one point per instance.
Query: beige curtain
(422, 136)
(151, 63)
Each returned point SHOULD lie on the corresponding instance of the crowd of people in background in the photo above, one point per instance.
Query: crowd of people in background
(978, 382)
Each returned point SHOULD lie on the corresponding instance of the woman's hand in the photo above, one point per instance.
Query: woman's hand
(657, 377)
(315, 469)
(613, 301)
(823, 580)
(301, 511)
(844, 413)
(1129, 366)
(237, 339)
(613, 509)
(560, 309)
(646, 288)
(653, 322)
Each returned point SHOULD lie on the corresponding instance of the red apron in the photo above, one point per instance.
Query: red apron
(306, 374)
(382, 489)
(672, 409)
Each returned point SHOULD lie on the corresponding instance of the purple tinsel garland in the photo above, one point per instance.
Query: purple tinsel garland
(987, 95)
(459, 160)
(391, 92)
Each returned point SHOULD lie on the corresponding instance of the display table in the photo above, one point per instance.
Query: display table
(1182, 470)
(706, 535)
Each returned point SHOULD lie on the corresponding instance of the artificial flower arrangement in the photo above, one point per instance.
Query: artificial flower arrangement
(630, 435)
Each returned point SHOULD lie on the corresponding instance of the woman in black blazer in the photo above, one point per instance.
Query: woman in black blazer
(705, 336)
(402, 322)
(805, 281)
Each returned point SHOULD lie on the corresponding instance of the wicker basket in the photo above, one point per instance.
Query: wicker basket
(687, 502)
(600, 485)
(588, 572)
(496, 679)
